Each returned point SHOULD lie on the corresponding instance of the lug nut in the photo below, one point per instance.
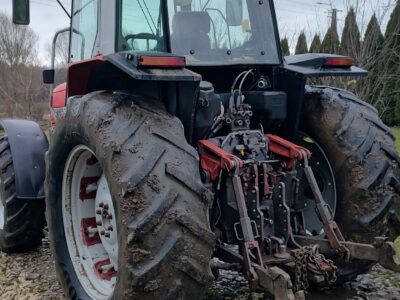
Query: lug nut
(98, 223)
(98, 211)
(106, 206)
(109, 216)
(110, 228)
(102, 232)
(101, 204)
(107, 235)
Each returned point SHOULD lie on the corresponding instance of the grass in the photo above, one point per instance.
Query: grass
(396, 132)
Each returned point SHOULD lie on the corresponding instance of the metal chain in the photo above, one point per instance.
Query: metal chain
(308, 259)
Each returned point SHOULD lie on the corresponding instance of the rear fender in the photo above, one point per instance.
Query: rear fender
(176, 87)
(314, 65)
(28, 146)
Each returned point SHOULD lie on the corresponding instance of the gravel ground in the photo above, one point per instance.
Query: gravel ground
(32, 276)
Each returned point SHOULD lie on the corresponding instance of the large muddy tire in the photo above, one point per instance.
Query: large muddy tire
(21, 221)
(161, 207)
(361, 151)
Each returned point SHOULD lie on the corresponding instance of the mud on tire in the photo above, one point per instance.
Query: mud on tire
(165, 243)
(361, 151)
(22, 220)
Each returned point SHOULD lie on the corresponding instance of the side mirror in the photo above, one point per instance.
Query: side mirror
(48, 76)
(234, 12)
(21, 12)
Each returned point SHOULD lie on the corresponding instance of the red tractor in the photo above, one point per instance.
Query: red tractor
(183, 134)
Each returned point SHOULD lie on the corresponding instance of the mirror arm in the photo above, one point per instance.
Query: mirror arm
(62, 6)
(53, 54)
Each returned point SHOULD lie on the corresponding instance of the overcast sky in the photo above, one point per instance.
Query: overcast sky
(293, 17)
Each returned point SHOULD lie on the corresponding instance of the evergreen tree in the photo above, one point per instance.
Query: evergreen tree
(373, 43)
(370, 55)
(350, 45)
(331, 43)
(388, 89)
(285, 47)
(302, 46)
(316, 44)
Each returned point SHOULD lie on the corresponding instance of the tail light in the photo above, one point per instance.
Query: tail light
(162, 61)
(338, 62)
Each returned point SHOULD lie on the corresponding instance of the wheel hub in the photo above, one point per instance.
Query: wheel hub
(90, 223)
(106, 220)
(326, 182)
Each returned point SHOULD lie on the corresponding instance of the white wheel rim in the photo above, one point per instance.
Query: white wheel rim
(90, 223)
(1, 208)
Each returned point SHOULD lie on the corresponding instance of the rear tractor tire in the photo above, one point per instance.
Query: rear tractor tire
(361, 152)
(127, 212)
(21, 221)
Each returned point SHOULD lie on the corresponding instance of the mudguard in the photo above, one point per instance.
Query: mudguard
(313, 65)
(28, 146)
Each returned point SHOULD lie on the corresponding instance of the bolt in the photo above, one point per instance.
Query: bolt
(109, 216)
(253, 191)
(105, 206)
(110, 228)
(107, 234)
(102, 232)
(98, 211)
(101, 204)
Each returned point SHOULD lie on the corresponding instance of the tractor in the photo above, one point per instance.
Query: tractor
(183, 143)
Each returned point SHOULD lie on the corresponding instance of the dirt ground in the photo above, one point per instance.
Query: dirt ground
(32, 276)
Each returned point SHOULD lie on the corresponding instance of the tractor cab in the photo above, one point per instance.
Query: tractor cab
(207, 33)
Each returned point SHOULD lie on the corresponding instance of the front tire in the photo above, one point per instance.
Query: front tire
(161, 207)
(21, 221)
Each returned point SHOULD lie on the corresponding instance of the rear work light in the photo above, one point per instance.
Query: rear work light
(162, 61)
(338, 62)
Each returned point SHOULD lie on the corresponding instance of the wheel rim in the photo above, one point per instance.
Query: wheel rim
(326, 182)
(90, 223)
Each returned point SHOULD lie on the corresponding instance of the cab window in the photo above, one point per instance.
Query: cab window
(141, 26)
(84, 29)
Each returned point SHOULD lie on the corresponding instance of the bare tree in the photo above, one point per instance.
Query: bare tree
(62, 50)
(19, 72)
